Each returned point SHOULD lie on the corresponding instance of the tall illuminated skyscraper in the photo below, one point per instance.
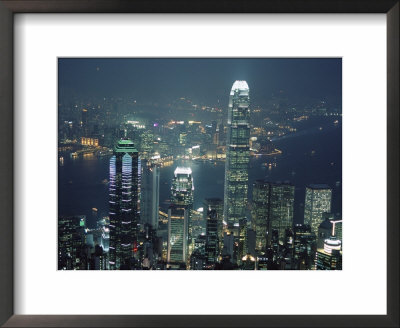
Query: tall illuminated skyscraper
(237, 154)
(317, 201)
(123, 204)
(182, 191)
(182, 187)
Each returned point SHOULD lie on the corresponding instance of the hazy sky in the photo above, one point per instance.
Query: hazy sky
(205, 80)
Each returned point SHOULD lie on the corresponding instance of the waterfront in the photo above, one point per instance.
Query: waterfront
(312, 156)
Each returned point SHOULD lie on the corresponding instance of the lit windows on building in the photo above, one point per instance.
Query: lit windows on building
(123, 204)
(317, 201)
(212, 238)
(177, 249)
(281, 208)
(182, 191)
(89, 141)
(330, 257)
(237, 154)
(260, 213)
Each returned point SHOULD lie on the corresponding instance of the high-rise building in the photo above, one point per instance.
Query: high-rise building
(123, 204)
(182, 192)
(182, 187)
(260, 213)
(317, 201)
(212, 238)
(281, 208)
(150, 194)
(237, 154)
(216, 204)
(304, 247)
(71, 240)
(177, 253)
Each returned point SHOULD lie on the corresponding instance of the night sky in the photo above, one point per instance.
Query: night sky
(203, 80)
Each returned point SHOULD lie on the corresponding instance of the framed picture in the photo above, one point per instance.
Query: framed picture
(163, 142)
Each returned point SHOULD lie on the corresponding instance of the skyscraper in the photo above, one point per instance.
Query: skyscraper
(216, 204)
(212, 238)
(150, 194)
(177, 253)
(281, 208)
(237, 154)
(123, 204)
(182, 187)
(317, 201)
(260, 213)
(182, 191)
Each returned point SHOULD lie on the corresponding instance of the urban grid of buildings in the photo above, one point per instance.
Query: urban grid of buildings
(138, 234)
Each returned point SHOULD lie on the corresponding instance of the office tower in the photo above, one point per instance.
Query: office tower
(71, 241)
(146, 144)
(317, 201)
(281, 204)
(123, 204)
(212, 239)
(216, 204)
(182, 187)
(304, 247)
(150, 194)
(330, 257)
(237, 154)
(260, 213)
(177, 251)
(182, 191)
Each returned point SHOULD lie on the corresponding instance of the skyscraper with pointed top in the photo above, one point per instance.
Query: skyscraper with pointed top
(123, 204)
(237, 154)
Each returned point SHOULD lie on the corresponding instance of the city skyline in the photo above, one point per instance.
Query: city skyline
(258, 222)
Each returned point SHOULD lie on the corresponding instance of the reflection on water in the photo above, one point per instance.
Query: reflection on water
(315, 157)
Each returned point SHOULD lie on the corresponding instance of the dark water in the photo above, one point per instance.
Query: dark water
(310, 156)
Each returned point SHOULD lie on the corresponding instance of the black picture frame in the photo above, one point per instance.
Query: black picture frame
(10, 7)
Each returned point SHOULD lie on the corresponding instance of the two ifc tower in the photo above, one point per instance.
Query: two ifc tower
(124, 181)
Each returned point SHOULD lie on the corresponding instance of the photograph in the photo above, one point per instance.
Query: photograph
(199, 163)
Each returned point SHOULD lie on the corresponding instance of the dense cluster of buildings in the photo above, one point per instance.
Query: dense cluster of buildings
(138, 235)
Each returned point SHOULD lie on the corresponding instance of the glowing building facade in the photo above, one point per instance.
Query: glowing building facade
(237, 154)
(124, 207)
(182, 191)
(178, 230)
(317, 202)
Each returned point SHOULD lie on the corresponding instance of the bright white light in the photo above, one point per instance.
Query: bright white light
(182, 170)
(239, 85)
